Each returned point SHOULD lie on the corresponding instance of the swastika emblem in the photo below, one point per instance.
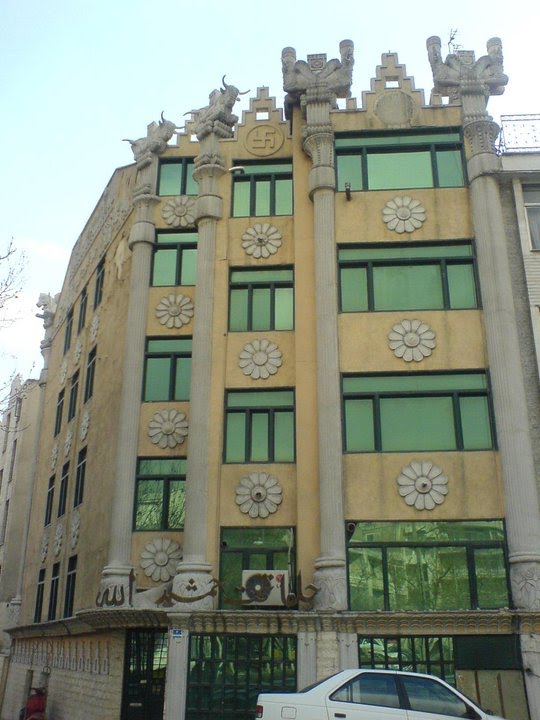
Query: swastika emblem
(264, 140)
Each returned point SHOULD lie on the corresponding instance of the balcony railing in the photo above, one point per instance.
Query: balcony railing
(519, 134)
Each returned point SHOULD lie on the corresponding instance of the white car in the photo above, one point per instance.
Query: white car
(372, 695)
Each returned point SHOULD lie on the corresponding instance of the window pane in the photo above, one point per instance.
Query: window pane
(407, 287)
(170, 175)
(366, 579)
(262, 197)
(349, 170)
(259, 437)
(261, 309)
(431, 697)
(359, 426)
(284, 437)
(406, 252)
(462, 531)
(192, 187)
(461, 286)
(417, 424)
(414, 383)
(265, 399)
(164, 268)
(353, 288)
(491, 583)
(283, 197)
(475, 423)
(182, 379)
(157, 380)
(284, 309)
(176, 504)
(241, 198)
(399, 170)
(533, 215)
(238, 318)
(162, 466)
(424, 578)
(189, 266)
(236, 437)
(149, 505)
(450, 168)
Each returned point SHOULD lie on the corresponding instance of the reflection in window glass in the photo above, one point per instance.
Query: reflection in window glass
(159, 495)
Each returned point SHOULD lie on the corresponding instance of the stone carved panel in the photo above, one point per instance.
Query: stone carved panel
(159, 559)
(411, 340)
(259, 359)
(179, 212)
(261, 240)
(422, 485)
(264, 140)
(258, 494)
(168, 428)
(173, 311)
(403, 214)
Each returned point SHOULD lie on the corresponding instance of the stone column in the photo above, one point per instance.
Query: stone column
(472, 82)
(315, 85)
(193, 585)
(116, 587)
(177, 667)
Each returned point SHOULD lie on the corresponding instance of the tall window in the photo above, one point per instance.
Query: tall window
(257, 549)
(73, 392)
(100, 278)
(400, 161)
(80, 477)
(167, 369)
(70, 586)
(176, 177)
(53, 595)
(68, 331)
(59, 412)
(49, 501)
(531, 198)
(62, 496)
(407, 277)
(433, 655)
(261, 299)
(90, 373)
(417, 411)
(160, 494)
(40, 591)
(260, 426)
(175, 259)
(82, 309)
(427, 565)
(263, 189)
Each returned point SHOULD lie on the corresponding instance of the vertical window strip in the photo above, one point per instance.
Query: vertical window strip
(80, 478)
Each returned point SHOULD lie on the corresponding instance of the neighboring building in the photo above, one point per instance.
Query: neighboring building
(288, 410)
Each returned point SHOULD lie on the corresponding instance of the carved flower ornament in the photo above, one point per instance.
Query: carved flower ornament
(160, 558)
(422, 485)
(261, 240)
(260, 359)
(403, 214)
(179, 211)
(411, 340)
(258, 495)
(168, 428)
(173, 311)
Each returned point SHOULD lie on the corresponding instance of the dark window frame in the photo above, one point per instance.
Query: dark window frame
(100, 281)
(179, 248)
(173, 356)
(455, 394)
(443, 262)
(53, 593)
(431, 146)
(59, 412)
(248, 175)
(73, 393)
(40, 592)
(80, 476)
(83, 305)
(167, 479)
(90, 374)
(187, 165)
(62, 496)
(49, 501)
(265, 284)
(68, 331)
(71, 578)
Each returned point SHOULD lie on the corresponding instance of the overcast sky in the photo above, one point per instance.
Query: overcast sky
(76, 77)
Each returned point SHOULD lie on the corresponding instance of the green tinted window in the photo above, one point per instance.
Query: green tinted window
(399, 170)
(421, 277)
(427, 566)
(417, 412)
(263, 190)
(167, 370)
(175, 259)
(159, 496)
(349, 170)
(261, 300)
(176, 177)
(259, 426)
(450, 168)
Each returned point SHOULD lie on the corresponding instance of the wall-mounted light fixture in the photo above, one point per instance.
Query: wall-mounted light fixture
(240, 169)
(348, 190)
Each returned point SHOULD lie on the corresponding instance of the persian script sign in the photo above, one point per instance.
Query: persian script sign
(264, 140)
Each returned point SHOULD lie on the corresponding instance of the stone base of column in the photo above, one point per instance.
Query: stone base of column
(525, 581)
(116, 587)
(330, 579)
(194, 587)
(530, 651)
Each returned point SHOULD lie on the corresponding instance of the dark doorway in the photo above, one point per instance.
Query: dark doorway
(144, 675)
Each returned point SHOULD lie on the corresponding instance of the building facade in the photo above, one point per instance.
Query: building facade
(288, 415)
